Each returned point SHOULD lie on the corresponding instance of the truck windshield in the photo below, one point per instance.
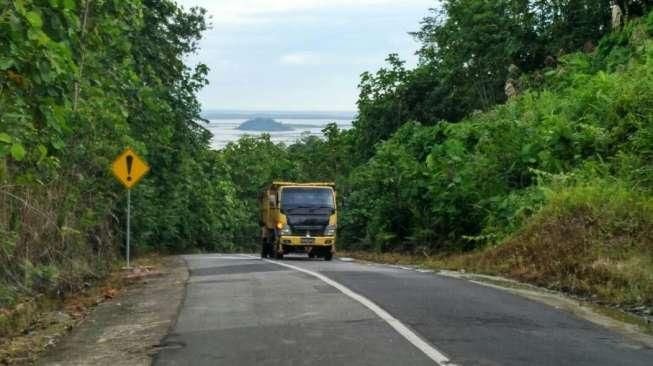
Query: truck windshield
(306, 198)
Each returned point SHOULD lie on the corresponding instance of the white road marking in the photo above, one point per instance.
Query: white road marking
(402, 329)
(229, 257)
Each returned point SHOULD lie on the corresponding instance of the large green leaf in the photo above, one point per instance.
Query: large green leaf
(18, 151)
(6, 63)
(69, 4)
(43, 152)
(34, 19)
(5, 138)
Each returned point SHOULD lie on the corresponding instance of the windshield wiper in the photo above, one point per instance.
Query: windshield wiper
(296, 208)
(321, 208)
(311, 208)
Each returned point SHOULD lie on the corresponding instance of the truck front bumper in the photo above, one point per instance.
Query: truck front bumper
(303, 241)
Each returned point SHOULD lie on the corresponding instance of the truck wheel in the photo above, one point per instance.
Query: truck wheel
(266, 252)
(328, 256)
(266, 248)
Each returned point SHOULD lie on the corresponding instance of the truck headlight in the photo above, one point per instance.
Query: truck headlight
(286, 230)
(330, 230)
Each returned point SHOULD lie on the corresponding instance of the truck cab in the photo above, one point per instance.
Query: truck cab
(298, 218)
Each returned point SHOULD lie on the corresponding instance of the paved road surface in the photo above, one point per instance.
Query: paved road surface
(240, 310)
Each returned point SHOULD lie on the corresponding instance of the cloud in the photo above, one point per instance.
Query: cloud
(233, 12)
(300, 58)
(271, 54)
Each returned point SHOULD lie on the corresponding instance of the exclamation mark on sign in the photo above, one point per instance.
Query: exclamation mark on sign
(130, 160)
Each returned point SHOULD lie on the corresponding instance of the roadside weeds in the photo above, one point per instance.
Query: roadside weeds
(38, 325)
(35, 324)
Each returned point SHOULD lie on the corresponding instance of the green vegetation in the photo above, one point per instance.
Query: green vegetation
(552, 186)
(80, 81)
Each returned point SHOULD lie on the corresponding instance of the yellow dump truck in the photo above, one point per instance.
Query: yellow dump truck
(298, 218)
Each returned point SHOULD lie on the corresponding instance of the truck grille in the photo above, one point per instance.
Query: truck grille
(313, 225)
(313, 230)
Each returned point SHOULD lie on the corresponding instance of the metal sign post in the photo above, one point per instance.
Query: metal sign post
(129, 231)
(129, 168)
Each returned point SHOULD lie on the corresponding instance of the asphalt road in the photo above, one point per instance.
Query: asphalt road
(240, 310)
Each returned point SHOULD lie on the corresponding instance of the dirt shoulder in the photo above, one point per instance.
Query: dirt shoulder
(126, 330)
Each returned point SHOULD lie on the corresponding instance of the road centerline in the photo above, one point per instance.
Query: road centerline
(403, 330)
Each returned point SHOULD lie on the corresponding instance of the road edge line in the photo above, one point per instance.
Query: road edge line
(403, 330)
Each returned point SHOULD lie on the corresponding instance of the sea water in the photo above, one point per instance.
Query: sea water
(226, 130)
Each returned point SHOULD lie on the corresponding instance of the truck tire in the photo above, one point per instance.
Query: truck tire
(328, 256)
(274, 248)
(266, 247)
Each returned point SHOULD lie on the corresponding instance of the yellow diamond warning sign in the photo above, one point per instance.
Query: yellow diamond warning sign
(129, 168)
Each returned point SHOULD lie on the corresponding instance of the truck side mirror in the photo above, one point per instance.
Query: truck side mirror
(273, 200)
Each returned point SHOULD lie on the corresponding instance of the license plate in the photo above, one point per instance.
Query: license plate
(307, 241)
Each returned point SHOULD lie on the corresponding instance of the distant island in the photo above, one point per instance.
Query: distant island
(264, 124)
(286, 115)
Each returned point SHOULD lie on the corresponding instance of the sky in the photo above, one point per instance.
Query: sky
(299, 55)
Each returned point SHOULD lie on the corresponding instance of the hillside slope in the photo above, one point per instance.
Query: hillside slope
(554, 187)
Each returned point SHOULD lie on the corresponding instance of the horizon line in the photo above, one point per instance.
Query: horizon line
(279, 110)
